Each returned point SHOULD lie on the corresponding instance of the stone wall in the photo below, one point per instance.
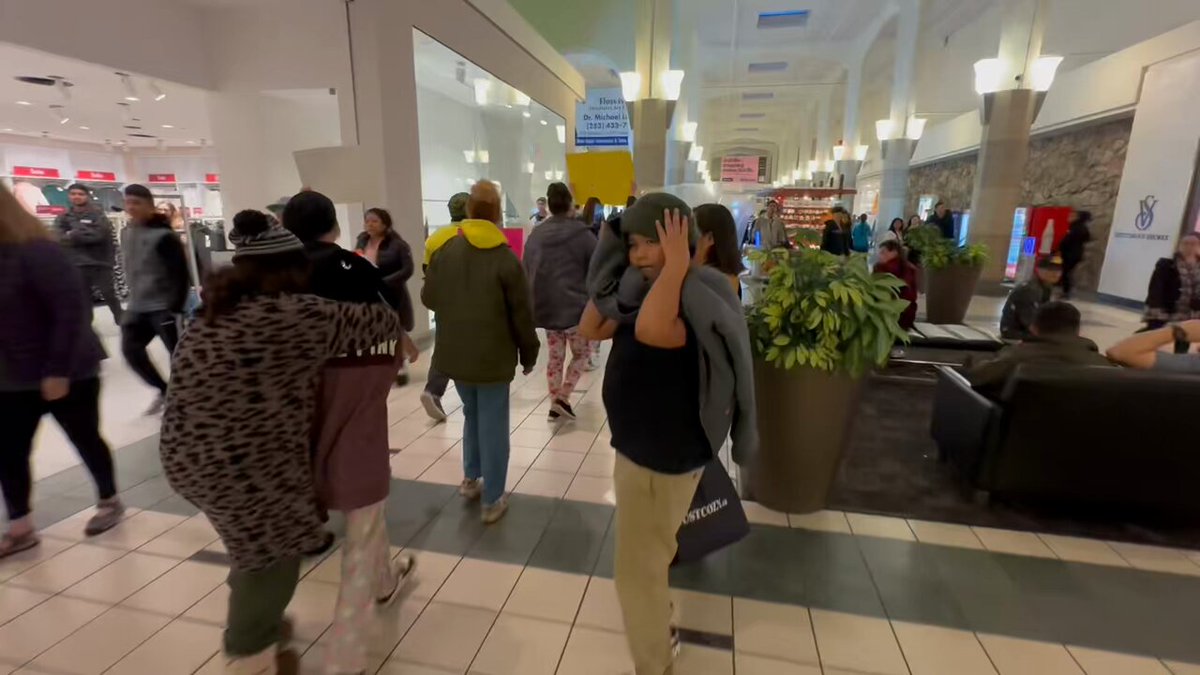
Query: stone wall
(1080, 168)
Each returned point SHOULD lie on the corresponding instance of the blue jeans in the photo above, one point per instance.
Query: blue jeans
(485, 436)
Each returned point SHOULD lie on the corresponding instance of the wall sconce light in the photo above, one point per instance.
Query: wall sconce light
(988, 74)
(469, 155)
(884, 130)
(549, 175)
(529, 168)
(702, 165)
(484, 157)
(860, 152)
(839, 152)
(696, 153)
(482, 87)
(521, 99)
(631, 86)
(813, 166)
(915, 128)
(558, 175)
(829, 166)
(689, 131)
(797, 175)
(672, 83)
(1043, 72)
(562, 133)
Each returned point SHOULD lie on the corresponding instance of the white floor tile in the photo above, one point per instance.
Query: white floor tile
(311, 609)
(600, 607)
(529, 438)
(67, 568)
(1156, 558)
(595, 652)
(479, 583)
(749, 664)
(945, 534)
(934, 650)
(446, 636)
(410, 467)
(592, 489)
(1181, 668)
(868, 525)
(1099, 662)
(430, 446)
(137, 530)
(698, 660)
(825, 521)
(558, 460)
(444, 471)
(1013, 542)
(122, 578)
(544, 483)
(432, 571)
(600, 466)
(571, 439)
(524, 457)
(100, 644)
(757, 513)
(518, 645)
(15, 601)
(177, 590)
(19, 562)
(703, 611)
(33, 632)
(1014, 656)
(546, 594)
(1078, 549)
(183, 540)
(773, 630)
(856, 642)
(71, 528)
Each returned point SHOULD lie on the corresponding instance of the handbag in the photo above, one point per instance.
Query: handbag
(714, 520)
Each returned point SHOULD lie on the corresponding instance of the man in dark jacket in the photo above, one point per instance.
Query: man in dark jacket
(435, 387)
(1016, 320)
(476, 286)
(1054, 340)
(1072, 247)
(943, 219)
(87, 235)
(156, 270)
(556, 261)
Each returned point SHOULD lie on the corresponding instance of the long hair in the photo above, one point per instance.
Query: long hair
(251, 277)
(18, 226)
(589, 210)
(898, 230)
(383, 216)
(716, 220)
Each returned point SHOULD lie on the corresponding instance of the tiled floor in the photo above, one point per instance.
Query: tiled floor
(829, 593)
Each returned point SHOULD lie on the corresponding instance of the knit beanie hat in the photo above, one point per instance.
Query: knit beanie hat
(458, 206)
(253, 235)
(648, 209)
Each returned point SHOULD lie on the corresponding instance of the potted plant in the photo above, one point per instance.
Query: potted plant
(820, 323)
(950, 274)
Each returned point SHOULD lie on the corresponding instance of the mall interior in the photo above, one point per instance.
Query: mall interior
(903, 525)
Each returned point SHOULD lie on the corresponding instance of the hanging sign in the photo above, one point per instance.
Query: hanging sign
(34, 172)
(602, 121)
(212, 178)
(741, 169)
(47, 210)
(103, 176)
(161, 178)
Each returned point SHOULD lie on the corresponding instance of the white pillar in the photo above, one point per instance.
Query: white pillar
(893, 184)
(824, 129)
(853, 98)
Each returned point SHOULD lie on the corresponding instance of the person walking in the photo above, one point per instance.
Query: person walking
(943, 219)
(1072, 248)
(49, 363)
(476, 286)
(435, 386)
(860, 235)
(387, 250)
(1174, 292)
(556, 263)
(772, 229)
(895, 232)
(236, 430)
(156, 271)
(718, 243)
(87, 235)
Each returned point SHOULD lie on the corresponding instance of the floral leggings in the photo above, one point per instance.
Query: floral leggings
(561, 387)
(366, 575)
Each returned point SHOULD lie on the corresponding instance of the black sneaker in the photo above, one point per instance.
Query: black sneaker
(563, 409)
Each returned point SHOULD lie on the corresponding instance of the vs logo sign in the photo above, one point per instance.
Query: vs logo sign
(1145, 216)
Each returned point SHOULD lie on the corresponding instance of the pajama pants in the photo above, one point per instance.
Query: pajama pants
(366, 575)
(561, 387)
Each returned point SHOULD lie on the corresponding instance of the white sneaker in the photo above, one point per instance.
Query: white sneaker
(433, 406)
(403, 568)
(471, 489)
(492, 514)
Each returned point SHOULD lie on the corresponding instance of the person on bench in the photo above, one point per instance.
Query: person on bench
(1142, 351)
(1054, 340)
(1016, 320)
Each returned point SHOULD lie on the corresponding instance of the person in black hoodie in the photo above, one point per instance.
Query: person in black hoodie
(1071, 248)
(156, 271)
(337, 274)
(87, 235)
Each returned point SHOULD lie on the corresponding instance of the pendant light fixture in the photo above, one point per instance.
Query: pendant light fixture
(130, 92)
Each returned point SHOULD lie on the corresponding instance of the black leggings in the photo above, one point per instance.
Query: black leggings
(79, 416)
(137, 332)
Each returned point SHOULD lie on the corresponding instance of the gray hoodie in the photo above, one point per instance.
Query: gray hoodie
(156, 268)
(556, 263)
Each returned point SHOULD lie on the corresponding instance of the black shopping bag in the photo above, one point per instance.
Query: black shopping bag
(714, 520)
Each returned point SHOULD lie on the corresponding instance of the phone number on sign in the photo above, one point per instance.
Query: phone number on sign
(603, 126)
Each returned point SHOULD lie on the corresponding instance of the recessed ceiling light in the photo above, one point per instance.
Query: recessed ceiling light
(544, 122)
(6, 130)
(191, 142)
(168, 126)
(24, 103)
(526, 114)
(85, 128)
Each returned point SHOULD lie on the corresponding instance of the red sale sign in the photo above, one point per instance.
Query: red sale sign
(34, 172)
(161, 178)
(212, 178)
(45, 210)
(105, 176)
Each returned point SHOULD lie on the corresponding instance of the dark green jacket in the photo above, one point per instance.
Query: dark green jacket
(477, 289)
(1016, 320)
(990, 378)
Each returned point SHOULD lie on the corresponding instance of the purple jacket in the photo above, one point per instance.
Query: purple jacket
(46, 331)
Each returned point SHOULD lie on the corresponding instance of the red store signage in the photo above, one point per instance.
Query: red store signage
(212, 178)
(161, 178)
(34, 172)
(105, 176)
(45, 210)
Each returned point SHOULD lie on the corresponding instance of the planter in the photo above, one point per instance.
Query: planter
(804, 418)
(948, 292)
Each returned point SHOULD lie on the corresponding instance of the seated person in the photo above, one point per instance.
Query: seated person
(892, 260)
(1021, 307)
(1054, 340)
(1141, 351)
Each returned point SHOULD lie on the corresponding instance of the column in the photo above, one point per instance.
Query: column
(649, 119)
(850, 164)
(651, 115)
(1004, 147)
(897, 147)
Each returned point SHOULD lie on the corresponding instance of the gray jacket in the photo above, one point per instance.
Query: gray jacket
(715, 315)
(774, 233)
(156, 269)
(86, 234)
(556, 263)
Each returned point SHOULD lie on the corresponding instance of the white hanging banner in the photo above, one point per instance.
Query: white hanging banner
(602, 121)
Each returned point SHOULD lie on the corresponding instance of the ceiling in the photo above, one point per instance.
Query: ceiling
(94, 103)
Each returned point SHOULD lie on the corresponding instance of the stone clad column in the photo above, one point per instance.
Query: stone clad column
(893, 188)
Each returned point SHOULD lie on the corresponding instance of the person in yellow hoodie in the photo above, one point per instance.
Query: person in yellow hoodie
(478, 289)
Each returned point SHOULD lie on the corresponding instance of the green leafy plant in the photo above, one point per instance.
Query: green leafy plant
(938, 252)
(825, 312)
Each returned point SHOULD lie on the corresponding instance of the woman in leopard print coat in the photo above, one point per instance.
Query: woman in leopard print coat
(236, 431)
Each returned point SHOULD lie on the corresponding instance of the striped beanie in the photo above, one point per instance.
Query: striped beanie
(253, 235)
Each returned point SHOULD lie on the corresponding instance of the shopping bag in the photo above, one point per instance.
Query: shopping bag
(714, 520)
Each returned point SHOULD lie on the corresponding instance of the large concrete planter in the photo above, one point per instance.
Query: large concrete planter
(948, 292)
(804, 418)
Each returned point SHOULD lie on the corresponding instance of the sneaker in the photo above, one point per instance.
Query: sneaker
(108, 513)
(156, 408)
(403, 569)
(563, 409)
(326, 544)
(471, 489)
(554, 414)
(676, 643)
(13, 544)
(433, 406)
(401, 379)
(495, 512)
